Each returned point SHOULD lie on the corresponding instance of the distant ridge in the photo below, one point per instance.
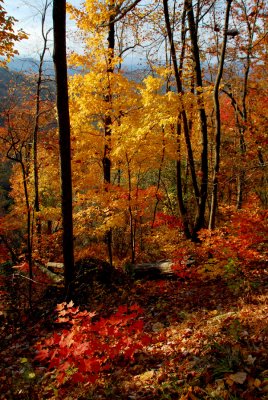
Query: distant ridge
(6, 76)
(20, 68)
(30, 65)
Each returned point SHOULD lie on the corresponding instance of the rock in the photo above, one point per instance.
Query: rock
(158, 270)
(55, 267)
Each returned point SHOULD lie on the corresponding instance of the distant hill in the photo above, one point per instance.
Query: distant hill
(5, 200)
(28, 65)
(19, 69)
(7, 76)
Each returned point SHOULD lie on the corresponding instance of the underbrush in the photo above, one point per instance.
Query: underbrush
(201, 336)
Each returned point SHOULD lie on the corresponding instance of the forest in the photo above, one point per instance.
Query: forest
(134, 202)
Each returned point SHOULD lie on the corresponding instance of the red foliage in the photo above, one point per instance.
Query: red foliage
(241, 242)
(87, 348)
(243, 239)
(170, 221)
(4, 256)
(227, 113)
(23, 267)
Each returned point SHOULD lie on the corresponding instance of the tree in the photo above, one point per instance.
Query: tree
(252, 32)
(145, 157)
(214, 199)
(193, 27)
(60, 62)
(106, 161)
(8, 37)
(15, 136)
(38, 100)
(182, 119)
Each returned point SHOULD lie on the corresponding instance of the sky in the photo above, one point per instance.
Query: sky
(28, 15)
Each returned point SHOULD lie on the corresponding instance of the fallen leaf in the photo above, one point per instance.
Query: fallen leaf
(70, 304)
(257, 382)
(239, 377)
(146, 376)
(265, 389)
(157, 327)
(250, 359)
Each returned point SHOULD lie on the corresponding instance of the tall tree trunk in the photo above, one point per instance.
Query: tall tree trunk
(131, 217)
(183, 118)
(242, 142)
(200, 218)
(106, 161)
(60, 63)
(24, 165)
(159, 178)
(215, 182)
(37, 117)
(29, 231)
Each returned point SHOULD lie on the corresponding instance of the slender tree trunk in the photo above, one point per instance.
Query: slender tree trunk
(106, 161)
(242, 141)
(131, 217)
(183, 210)
(242, 147)
(200, 218)
(241, 174)
(183, 115)
(29, 232)
(37, 118)
(215, 182)
(60, 63)
(35, 152)
(18, 157)
(159, 178)
(182, 118)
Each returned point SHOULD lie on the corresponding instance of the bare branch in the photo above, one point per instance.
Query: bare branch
(122, 13)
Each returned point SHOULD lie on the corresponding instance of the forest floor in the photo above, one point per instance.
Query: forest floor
(208, 340)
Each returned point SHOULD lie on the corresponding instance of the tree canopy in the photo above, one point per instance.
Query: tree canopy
(161, 134)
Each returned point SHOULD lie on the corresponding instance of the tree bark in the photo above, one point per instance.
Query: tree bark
(18, 157)
(242, 141)
(215, 181)
(183, 118)
(29, 232)
(37, 117)
(131, 217)
(60, 64)
(200, 218)
(106, 161)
